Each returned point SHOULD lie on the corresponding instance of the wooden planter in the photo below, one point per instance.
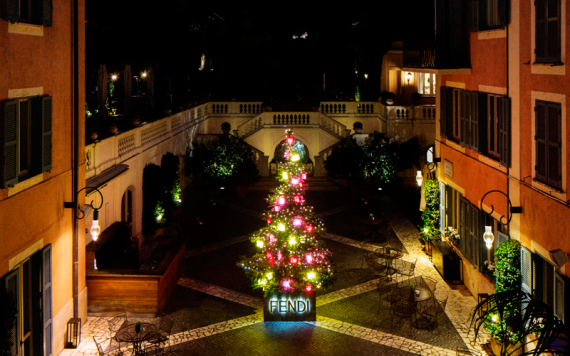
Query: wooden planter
(300, 306)
(496, 346)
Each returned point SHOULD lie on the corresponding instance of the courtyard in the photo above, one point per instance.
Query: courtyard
(216, 312)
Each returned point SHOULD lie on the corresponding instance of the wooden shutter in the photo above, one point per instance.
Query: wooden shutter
(541, 158)
(547, 33)
(526, 271)
(538, 276)
(475, 236)
(504, 13)
(47, 10)
(9, 144)
(473, 9)
(558, 296)
(483, 112)
(554, 138)
(464, 117)
(10, 10)
(462, 224)
(443, 111)
(504, 113)
(47, 301)
(450, 113)
(442, 223)
(474, 123)
(46, 133)
(13, 290)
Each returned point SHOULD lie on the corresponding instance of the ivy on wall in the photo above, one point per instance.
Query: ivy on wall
(430, 216)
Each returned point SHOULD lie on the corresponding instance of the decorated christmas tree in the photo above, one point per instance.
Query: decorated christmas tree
(291, 256)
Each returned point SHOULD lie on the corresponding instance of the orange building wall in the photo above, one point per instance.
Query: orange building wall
(37, 212)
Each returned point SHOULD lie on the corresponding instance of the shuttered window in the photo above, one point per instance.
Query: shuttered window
(547, 32)
(443, 111)
(442, 216)
(47, 301)
(549, 286)
(488, 14)
(25, 139)
(12, 285)
(38, 12)
(459, 116)
(470, 232)
(473, 141)
(504, 130)
(548, 140)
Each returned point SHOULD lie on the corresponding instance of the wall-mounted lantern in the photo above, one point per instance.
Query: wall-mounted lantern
(488, 236)
(80, 214)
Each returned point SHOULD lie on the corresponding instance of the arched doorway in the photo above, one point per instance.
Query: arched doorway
(127, 208)
(278, 157)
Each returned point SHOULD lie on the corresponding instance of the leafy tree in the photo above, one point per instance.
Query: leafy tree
(170, 165)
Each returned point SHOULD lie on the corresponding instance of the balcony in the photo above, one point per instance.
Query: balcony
(435, 57)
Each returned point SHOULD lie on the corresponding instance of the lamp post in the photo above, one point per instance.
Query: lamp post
(488, 236)
(80, 214)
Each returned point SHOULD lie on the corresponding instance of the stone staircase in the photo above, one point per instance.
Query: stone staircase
(315, 183)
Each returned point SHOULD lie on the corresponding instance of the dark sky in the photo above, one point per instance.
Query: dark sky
(250, 47)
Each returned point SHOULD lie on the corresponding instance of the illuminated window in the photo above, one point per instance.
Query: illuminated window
(426, 84)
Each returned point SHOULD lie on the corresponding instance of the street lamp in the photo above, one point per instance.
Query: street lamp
(409, 77)
(488, 236)
(80, 214)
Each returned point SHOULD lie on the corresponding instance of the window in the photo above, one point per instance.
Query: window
(38, 12)
(470, 231)
(426, 84)
(25, 141)
(548, 285)
(30, 286)
(547, 32)
(548, 137)
(459, 120)
(487, 14)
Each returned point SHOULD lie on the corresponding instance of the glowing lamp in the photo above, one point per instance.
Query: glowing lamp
(95, 229)
(294, 260)
(292, 240)
(281, 200)
(259, 243)
(285, 175)
(311, 275)
(269, 255)
(277, 208)
(425, 230)
(294, 181)
(297, 222)
(309, 288)
(143, 74)
(309, 258)
(303, 176)
(281, 227)
(488, 237)
(286, 283)
(297, 199)
(290, 140)
(295, 158)
(419, 178)
(300, 185)
(113, 77)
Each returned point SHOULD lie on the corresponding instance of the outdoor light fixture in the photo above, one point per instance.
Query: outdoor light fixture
(431, 160)
(409, 77)
(80, 214)
(365, 75)
(113, 77)
(419, 178)
(488, 235)
(143, 74)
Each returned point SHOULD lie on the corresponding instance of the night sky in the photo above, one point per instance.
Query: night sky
(250, 50)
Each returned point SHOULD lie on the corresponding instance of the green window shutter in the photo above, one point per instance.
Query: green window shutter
(442, 223)
(541, 158)
(559, 296)
(462, 225)
(474, 124)
(554, 138)
(464, 117)
(504, 112)
(483, 116)
(526, 270)
(9, 162)
(547, 31)
(443, 111)
(475, 235)
(473, 9)
(47, 13)
(46, 133)
(10, 10)
(12, 289)
(450, 113)
(47, 301)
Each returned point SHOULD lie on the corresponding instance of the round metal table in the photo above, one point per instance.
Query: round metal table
(127, 333)
(424, 295)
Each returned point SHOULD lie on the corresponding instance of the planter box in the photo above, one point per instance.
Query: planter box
(300, 306)
(496, 346)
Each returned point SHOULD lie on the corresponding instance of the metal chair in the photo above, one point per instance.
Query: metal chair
(164, 330)
(99, 348)
(101, 352)
(431, 283)
(406, 269)
(434, 310)
(385, 291)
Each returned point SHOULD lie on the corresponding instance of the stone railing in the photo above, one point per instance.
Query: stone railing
(426, 112)
(112, 150)
(234, 108)
(317, 119)
(349, 107)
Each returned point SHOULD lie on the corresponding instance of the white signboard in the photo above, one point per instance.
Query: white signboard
(448, 168)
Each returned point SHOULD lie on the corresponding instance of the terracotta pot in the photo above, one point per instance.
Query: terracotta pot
(113, 129)
(496, 346)
(241, 190)
(136, 121)
(93, 135)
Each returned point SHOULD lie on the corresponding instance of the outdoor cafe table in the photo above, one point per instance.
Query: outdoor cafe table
(388, 256)
(127, 333)
(424, 295)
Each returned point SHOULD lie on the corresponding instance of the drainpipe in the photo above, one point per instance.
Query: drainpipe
(510, 153)
(75, 155)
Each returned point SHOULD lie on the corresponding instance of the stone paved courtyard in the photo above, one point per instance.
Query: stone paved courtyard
(217, 313)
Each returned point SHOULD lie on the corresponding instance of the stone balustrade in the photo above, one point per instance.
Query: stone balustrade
(392, 112)
(234, 107)
(349, 107)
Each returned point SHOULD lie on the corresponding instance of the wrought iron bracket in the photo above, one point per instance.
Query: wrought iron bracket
(79, 213)
(510, 208)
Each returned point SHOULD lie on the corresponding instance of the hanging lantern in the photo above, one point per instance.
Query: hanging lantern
(281, 227)
(295, 157)
(419, 178)
(294, 260)
(281, 200)
(259, 243)
(285, 175)
(292, 240)
(309, 258)
(309, 228)
(311, 275)
(488, 237)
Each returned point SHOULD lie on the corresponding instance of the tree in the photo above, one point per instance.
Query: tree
(291, 256)
(170, 165)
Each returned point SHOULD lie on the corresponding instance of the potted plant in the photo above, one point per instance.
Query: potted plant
(357, 126)
(136, 118)
(112, 125)
(138, 326)
(412, 287)
(390, 97)
(387, 248)
(93, 128)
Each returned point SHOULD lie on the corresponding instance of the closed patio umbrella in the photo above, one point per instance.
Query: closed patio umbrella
(128, 77)
(102, 93)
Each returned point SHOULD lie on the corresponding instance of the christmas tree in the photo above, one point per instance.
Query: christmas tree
(291, 256)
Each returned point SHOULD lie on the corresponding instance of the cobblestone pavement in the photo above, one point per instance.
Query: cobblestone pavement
(229, 321)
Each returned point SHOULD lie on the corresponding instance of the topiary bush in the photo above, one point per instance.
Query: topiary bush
(430, 216)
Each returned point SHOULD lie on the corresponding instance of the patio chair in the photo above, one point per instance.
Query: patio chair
(101, 352)
(385, 291)
(406, 269)
(164, 330)
(374, 266)
(114, 323)
(431, 283)
(434, 310)
(467, 351)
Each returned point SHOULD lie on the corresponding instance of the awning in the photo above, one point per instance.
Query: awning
(105, 176)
